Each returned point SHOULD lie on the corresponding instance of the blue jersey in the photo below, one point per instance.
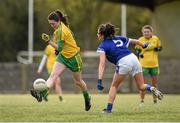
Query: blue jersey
(115, 48)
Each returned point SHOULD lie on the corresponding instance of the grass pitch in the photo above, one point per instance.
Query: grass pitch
(24, 108)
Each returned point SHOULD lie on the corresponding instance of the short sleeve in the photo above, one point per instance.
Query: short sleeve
(124, 39)
(137, 47)
(101, 48)
(158, 42)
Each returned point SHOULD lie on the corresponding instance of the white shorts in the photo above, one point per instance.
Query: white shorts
(128, 65)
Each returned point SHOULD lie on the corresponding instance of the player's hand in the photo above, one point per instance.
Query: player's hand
(145, 45)
(158, 48)
(45, 37)
(99, 85)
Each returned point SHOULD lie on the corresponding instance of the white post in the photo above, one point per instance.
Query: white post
(123, 20)
(30, 31)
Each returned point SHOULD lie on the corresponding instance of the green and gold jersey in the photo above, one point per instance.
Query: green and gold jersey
(150, 58)
(63, 36)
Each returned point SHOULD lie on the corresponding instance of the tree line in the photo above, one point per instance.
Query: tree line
(84, 16)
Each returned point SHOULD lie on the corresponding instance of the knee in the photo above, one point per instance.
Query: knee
(57, 83)
(77, 80)
(78, 83)
(142, 87)
(154, 84)
(53, 76)
(115, 84)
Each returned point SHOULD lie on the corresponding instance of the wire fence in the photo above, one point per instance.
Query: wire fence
(18, 78)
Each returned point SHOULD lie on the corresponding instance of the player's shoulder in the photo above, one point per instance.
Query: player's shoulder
(55, 32)
(122, 38)
(60, 28)
(155, 37)
(141, 38)
(106, 43)
(64, 28)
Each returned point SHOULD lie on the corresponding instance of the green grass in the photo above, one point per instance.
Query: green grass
(23, 108)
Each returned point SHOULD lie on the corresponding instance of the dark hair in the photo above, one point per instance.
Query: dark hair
(108, 30)
(58, 16)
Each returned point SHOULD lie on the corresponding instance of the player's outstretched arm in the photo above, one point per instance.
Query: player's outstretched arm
(42, 64)
(137, 42)
(101, 68)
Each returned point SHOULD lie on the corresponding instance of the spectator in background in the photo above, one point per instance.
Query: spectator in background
(148, 57)
(49, 58)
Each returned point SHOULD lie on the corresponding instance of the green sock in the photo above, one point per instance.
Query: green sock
(61, 98)
(44, 94)
(86, 95)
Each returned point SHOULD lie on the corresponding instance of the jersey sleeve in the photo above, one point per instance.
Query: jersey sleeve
(138, 47)
(125, 40)
(158, 42)
(101, 48)
(128, 40)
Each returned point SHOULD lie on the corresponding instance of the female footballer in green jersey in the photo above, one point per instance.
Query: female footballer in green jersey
(68, 56)
(149, 57)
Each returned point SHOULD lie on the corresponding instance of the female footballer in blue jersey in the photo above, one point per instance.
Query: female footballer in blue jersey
(115, 49)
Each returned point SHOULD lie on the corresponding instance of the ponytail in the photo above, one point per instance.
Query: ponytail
(62, 18)
(108, 30)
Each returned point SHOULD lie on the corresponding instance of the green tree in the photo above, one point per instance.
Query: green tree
(13, 32)
(84, 16)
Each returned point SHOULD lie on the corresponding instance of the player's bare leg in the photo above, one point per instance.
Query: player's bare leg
(143, 92)
(117, 79)
(140, 83)
(77, 76)
(58, 68)
(58, 89)
(154, 83)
